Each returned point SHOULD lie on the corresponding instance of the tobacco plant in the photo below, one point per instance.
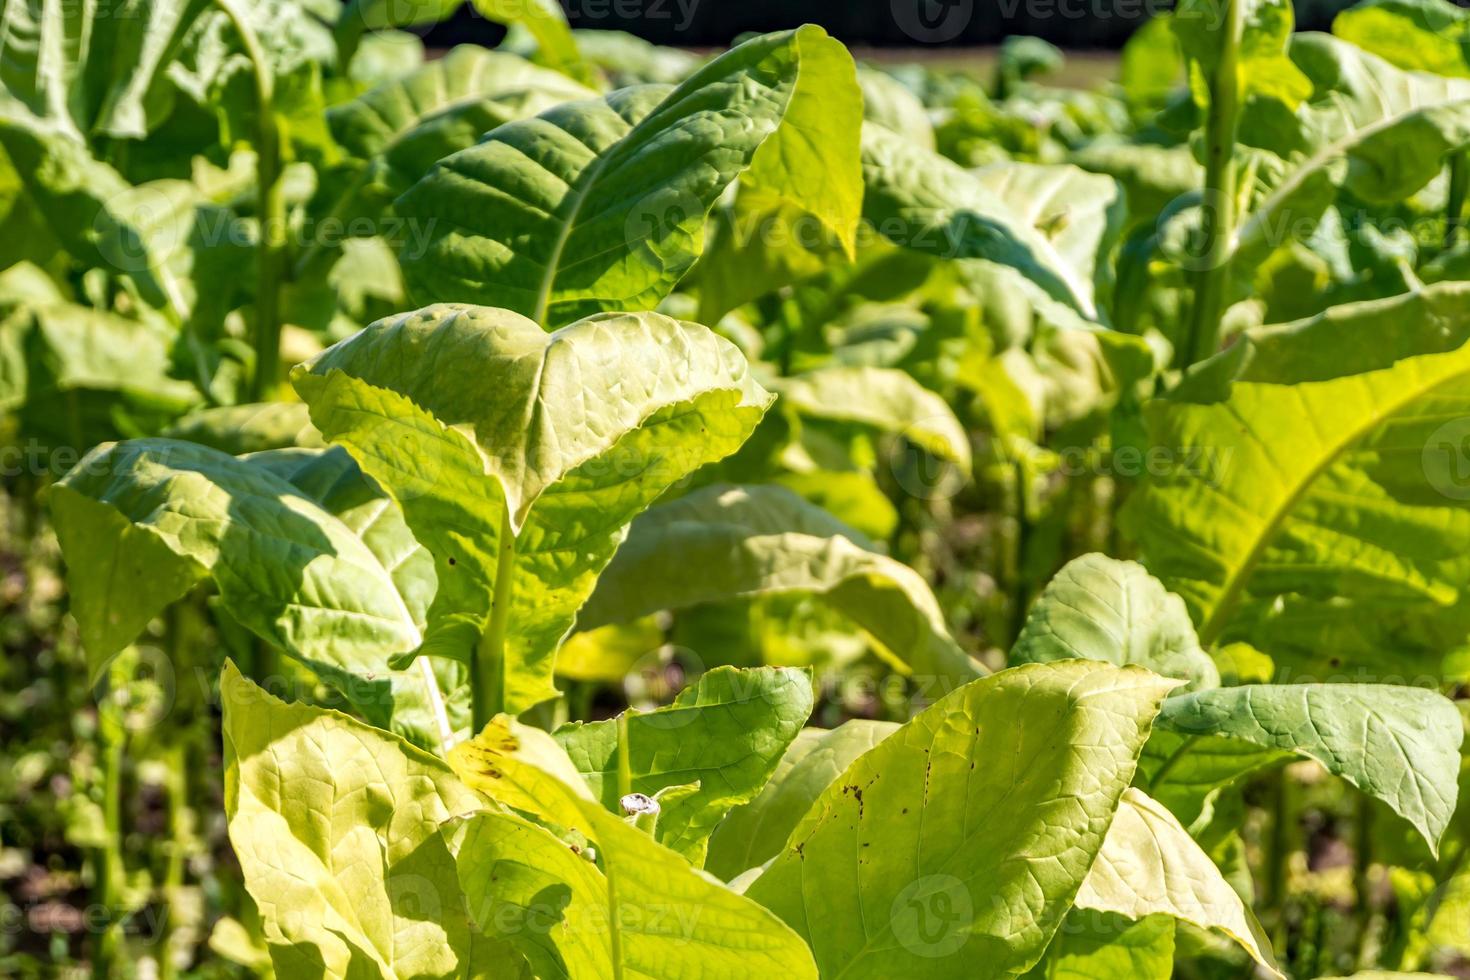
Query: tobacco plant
(567, 429)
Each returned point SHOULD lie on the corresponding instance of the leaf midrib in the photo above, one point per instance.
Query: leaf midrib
(1255, 226)
(947, 865)
(553, 259)
(1230, 596)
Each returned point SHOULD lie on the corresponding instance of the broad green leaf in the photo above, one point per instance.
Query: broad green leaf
(180, 250)
(189, 511)
(641, 910)
(754, 833)
(1153, 177)
(627, 59)
(27, 284)
(798, 204)
(535, 775)
(1417, 35)
(1152, 65)
(596, 206)
(609, 653)
(1242, 44)
(239, 429)
(410, 123)
(852, 496)
(1360, 337)
(1399, 744)
(429, 702)
(94, 68)
(384, 55)
(545, 21)
(1378, 131)
(1394, 127)
(514, 450)
(1446, 922)
(763, 540)
(887, 102)
(324, 570)
(962, 838)
(376, 15)
(1149, 865)
(1023, 59)
(1336, 487)
(337, 826)
(1098, 608)
(885, 399)
(1187, 773)
(216, 70)
(1103, 946)
(922, 201)
(85, 203)
(548, 901)
(230, 939)
(1078, 214)
(70, 348)
(727, 732)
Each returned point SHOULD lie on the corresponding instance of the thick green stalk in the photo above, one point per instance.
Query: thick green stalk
(109, 868)
(1363, 881)
(1020, 592)
(348, 34)
(487, 668)
(176, 767)
(1220, 214)
(625, 763)
(270, 208)
(269, 252)
(176, 759)
(1459, 192)
(1277, 848)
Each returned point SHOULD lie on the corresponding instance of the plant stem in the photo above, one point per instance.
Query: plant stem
(487, 669)
(74, 420)
(625, 762)
(270, 208)
(269, 251)
(109, 863)
(1020, 592)
(348, 34)
(1362, 885)
(1459, 192)
(1163, 771)
(1276, 852)
(1212, 279)
(177, 762)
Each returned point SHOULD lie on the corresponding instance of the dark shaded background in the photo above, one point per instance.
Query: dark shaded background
(900, 23)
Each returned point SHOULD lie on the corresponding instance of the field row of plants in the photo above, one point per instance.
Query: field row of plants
(589, 510)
